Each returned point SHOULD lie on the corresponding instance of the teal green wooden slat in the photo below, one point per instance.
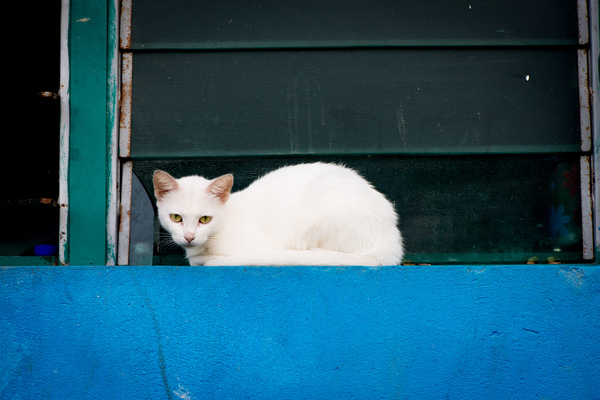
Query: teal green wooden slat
(482, 209)
(355, 101)
(333, 23)
(88, 158)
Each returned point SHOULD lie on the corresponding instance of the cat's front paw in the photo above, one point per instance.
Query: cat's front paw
(212, 262)
(202, 260)
(227, 261)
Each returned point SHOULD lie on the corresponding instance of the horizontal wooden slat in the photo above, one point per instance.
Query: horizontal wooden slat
(333, 23)
(452, 209)
(354, 101)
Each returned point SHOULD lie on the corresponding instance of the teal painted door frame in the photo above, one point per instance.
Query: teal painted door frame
(93, 110)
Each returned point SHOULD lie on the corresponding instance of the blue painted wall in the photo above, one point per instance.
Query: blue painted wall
(501, 332)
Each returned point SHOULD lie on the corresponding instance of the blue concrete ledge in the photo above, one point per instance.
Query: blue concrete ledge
(422, 332)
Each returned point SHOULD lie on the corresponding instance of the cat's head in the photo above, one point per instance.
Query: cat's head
(191, 209)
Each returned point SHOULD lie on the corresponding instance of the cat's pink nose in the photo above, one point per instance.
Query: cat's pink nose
(189, 237)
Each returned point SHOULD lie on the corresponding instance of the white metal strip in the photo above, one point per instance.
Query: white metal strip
(125, 31)
(582, 17)
(63, 185)
(125, 213)
(587, 225)
(595, 110)
(584, 101)
(125, 134)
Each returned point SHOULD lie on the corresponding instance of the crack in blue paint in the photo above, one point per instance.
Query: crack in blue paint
(157, 331)
(532, 331)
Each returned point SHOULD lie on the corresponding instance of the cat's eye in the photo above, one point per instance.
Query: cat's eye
(205, 220)
(176, 217)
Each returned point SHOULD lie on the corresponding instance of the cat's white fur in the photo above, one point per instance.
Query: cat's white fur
(307, 214)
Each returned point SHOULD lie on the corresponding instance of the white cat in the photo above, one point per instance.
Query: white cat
(307, 214)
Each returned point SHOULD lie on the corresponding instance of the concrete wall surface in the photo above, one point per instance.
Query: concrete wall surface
(411, 332)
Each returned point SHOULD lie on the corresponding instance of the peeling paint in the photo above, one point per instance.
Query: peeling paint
(574, 276)
(182, 393)
(113, 132)
(125, 118)
(125, 33)
(582, 19)
(477, 270)
(63, 97)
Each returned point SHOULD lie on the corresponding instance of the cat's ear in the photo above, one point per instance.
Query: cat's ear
(163, 184)
(221, 187)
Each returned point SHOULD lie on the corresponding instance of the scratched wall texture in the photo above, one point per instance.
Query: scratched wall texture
(527, 332)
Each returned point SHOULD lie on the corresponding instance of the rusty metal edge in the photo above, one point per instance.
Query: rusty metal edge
(125, 30)
(582, 18)
(125, 118)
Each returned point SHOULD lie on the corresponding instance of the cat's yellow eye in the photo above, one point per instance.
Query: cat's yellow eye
(205, 220)
(176, 217)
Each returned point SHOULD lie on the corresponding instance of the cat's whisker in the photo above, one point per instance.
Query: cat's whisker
(166, 243)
